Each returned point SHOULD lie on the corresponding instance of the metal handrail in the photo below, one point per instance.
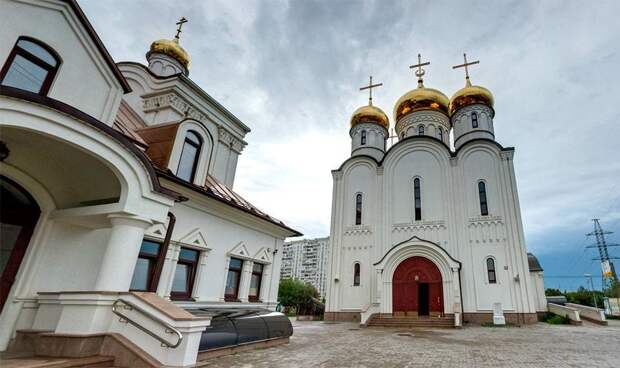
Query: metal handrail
(131, 306)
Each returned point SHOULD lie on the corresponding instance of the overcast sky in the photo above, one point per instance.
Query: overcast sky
(291, 71)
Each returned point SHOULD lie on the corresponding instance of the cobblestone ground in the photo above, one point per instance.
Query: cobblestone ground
(318, 344)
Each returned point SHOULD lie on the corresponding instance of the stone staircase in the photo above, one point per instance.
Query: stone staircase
(411, 321)
(8, 360)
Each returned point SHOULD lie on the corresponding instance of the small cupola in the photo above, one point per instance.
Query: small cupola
(167, 57)
(369, 128)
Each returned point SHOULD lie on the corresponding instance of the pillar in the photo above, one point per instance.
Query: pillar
(119, 260)
(244, 283)
(200, 280)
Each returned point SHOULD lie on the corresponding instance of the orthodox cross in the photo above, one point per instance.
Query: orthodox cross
(420, 72)
(465, 65)
(369, 87)
(180, 23)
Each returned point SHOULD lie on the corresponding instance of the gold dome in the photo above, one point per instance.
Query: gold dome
(421, 98)
(172, 49)
(370, 114)
(470, 95)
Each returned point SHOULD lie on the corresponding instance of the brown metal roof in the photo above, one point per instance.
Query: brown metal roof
(533, 263)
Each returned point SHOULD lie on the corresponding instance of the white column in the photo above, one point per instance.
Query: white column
(121, 254)
(265, 284)
(173, 250)
(244, 283)
(223, 292)
(200, 280)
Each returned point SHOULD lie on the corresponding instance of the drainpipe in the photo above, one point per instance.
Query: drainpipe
(461, 295)
(161, 257)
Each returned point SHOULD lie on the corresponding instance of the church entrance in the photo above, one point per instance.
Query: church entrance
(417, 288)
(18, 216)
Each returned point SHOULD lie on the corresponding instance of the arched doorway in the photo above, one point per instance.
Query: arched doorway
(19, 213)
(417, 287)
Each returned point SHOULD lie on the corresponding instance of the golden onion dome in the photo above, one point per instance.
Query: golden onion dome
(421, 98)
(470, 95)
(172, 49)
(370, 114)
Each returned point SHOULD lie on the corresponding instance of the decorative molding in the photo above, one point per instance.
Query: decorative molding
(230, 140)
(380, 170)
(485, 220)
(420, 225)
(467, 110)
(369, 127)
(507, 155)
(194, 238)
(263, 255)
(422, 117)
(240, 250)
(152, 103)
(358, 230)
(337, 174)
(156, 231)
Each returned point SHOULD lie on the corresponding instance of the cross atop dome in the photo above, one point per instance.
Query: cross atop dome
(180, 23)
(369, 87)
(420, 72)
(465, 65)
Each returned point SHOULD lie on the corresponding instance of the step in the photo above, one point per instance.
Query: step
(52, 362)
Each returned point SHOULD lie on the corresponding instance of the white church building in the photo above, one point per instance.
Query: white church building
(431, 227)
(118, 213)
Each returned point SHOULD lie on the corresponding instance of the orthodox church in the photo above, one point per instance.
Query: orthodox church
(430, 229)
(122, 235)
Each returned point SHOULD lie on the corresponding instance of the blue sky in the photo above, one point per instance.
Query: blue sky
(291, 71)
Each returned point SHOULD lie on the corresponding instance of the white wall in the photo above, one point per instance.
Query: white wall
(84, 80)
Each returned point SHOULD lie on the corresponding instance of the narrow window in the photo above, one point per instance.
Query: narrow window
(358, 209)
(363, 137)
(417, 199)
(257, 277)
(145, 270)
(232, 281)
(474, 120)
(356, 274)
(482, 193)
(421, 130)
(189, 156)
(184, 274)
(491, 271)
(31, 66)
(440, 134)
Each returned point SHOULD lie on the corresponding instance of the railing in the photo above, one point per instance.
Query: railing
(116, 308)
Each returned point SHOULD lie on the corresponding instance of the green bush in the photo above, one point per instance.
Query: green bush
(555, 319)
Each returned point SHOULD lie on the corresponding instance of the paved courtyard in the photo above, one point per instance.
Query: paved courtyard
(318, 344)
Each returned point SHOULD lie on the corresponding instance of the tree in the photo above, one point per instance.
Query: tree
(553, 292)
(297, 294)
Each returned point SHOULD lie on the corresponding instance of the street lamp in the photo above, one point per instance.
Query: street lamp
(589, 276)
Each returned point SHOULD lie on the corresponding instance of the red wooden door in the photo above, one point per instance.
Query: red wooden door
(405, 282)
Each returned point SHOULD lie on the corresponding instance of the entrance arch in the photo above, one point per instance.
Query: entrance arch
(417, 287)
(19, 214)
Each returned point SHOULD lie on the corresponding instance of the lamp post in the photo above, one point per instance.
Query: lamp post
(589, 276)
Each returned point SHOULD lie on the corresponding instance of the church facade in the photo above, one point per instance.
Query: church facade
(117, 200)
(431, 227)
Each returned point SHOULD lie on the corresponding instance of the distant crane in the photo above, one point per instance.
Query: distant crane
(607, 266)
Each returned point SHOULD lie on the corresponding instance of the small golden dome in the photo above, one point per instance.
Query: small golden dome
(421, 98)
(370, 114)
(172, 49)
(470, 95)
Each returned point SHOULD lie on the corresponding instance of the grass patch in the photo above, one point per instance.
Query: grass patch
(609, 316)
(555, 319)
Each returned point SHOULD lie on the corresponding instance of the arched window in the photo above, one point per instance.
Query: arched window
(474, 120)
(402, 136)
(31, 66)
(482, 194)
(358, 209)
(189, 156)
(356, 274)
(363, 137)
(417, 197)
(440, 134)
(491, 271)
(421, 130)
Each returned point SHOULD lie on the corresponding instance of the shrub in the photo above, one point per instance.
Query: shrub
(555, 319)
